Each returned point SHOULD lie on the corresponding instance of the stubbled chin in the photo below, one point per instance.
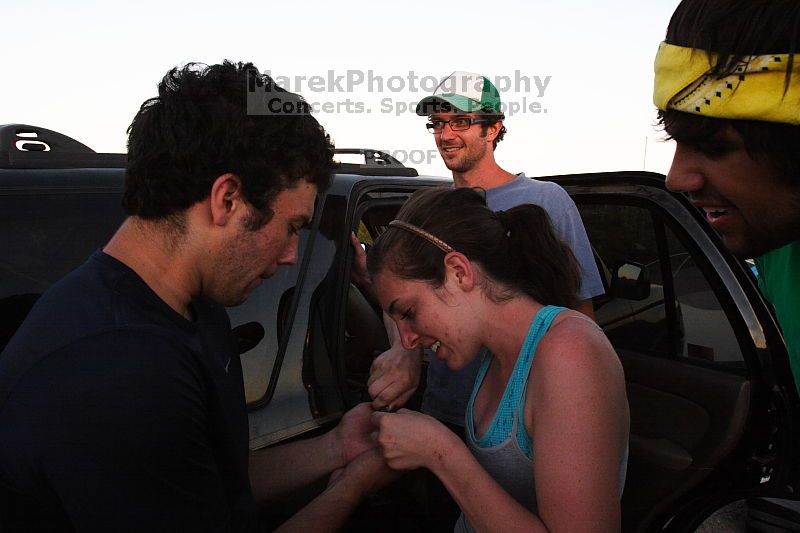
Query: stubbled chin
(750, 248)
(744, 246)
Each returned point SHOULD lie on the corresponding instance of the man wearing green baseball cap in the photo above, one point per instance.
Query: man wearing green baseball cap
(462, 100)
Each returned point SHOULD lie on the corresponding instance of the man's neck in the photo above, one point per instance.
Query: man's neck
(486, 174)
(158, 256)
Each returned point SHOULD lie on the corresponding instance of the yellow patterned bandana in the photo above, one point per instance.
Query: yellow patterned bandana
(755, 91)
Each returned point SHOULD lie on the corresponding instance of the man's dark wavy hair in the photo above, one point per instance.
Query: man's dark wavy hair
(738, 28)
(198, 128)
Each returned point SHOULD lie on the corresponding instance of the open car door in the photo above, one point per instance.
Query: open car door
(708, 380)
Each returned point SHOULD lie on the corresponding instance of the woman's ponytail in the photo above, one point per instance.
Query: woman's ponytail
(540, 264)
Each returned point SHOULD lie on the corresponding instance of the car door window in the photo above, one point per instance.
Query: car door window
(688, 386)
(268, 305)
(678, 315)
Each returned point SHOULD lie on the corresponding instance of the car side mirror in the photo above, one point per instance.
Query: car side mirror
(630, 281)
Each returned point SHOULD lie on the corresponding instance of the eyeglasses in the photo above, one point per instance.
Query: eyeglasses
(456, 124)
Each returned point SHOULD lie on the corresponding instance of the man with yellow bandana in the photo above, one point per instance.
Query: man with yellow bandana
(727, 86)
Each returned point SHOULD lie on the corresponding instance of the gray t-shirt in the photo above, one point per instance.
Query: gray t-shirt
(447, 392)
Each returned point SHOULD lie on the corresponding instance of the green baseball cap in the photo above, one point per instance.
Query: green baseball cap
(462, 91)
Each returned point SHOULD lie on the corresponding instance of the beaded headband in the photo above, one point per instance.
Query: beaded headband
(419, 232)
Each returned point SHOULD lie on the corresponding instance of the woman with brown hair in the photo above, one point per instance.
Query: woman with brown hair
(466, 282)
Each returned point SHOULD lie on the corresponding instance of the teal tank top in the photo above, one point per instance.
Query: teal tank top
(512, 403)
(506, 450)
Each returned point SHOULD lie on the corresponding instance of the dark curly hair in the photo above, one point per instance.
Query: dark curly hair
(734, 29)
(518, 249)
(198, 128)
(494, 117)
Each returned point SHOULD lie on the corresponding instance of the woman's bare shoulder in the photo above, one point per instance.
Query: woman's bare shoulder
(576, 351)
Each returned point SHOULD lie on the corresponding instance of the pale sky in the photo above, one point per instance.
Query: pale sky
(83, 68)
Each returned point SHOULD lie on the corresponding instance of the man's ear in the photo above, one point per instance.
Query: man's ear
(493, 130)
(225, 198)
(459, 271)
